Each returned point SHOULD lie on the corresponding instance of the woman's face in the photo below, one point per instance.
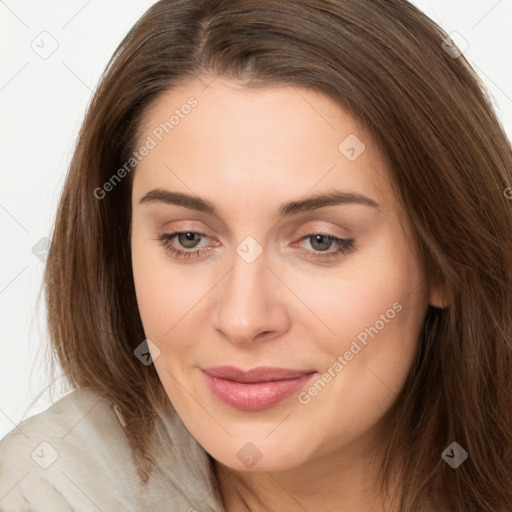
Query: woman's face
(295, 259)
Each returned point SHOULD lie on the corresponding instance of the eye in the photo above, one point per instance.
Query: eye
(185, 245)
(185, 240)
(327, 246)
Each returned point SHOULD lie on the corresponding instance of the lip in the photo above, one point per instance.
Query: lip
(256, 388)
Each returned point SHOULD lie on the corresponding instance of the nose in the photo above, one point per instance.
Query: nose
(250, 303)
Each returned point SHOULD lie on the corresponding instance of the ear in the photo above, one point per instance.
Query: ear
(437, 298)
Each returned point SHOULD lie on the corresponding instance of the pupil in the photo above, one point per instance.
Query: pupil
(324, 243)
(187, 239)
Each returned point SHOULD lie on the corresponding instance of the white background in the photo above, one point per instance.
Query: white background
(42, 103)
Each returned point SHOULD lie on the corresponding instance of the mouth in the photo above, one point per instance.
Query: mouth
(257, 388)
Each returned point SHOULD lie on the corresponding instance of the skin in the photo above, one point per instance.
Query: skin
(247, 152)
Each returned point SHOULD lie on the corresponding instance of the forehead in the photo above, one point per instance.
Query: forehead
(285, 140)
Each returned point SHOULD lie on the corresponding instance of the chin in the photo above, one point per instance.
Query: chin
(259, 456)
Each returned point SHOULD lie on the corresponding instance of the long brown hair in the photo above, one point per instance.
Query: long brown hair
(383, 61)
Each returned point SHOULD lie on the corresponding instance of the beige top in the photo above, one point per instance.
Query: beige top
(75, 456)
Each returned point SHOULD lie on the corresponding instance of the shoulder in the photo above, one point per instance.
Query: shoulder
(80, 413)
(73, 456)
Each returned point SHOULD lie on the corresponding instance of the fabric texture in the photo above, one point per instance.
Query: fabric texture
(75, 456)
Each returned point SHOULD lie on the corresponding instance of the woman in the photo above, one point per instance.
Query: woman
(279, 276)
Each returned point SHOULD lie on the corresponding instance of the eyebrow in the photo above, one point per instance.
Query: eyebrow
(331, 198)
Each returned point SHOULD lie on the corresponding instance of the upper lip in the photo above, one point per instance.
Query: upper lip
(252, 375)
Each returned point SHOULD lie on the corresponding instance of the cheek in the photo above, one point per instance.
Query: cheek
(367, 361)
(366, 295)
(171, 298)
(377, 320)
(153, 288)
(371, 316)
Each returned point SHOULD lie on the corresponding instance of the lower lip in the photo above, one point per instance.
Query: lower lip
(255, 396)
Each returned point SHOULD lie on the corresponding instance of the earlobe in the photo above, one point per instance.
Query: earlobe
(437, 299)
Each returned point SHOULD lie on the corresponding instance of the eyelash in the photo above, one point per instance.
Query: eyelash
(345, 246)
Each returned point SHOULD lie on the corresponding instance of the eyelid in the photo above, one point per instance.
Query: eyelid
(324, 231)
(332, 230)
